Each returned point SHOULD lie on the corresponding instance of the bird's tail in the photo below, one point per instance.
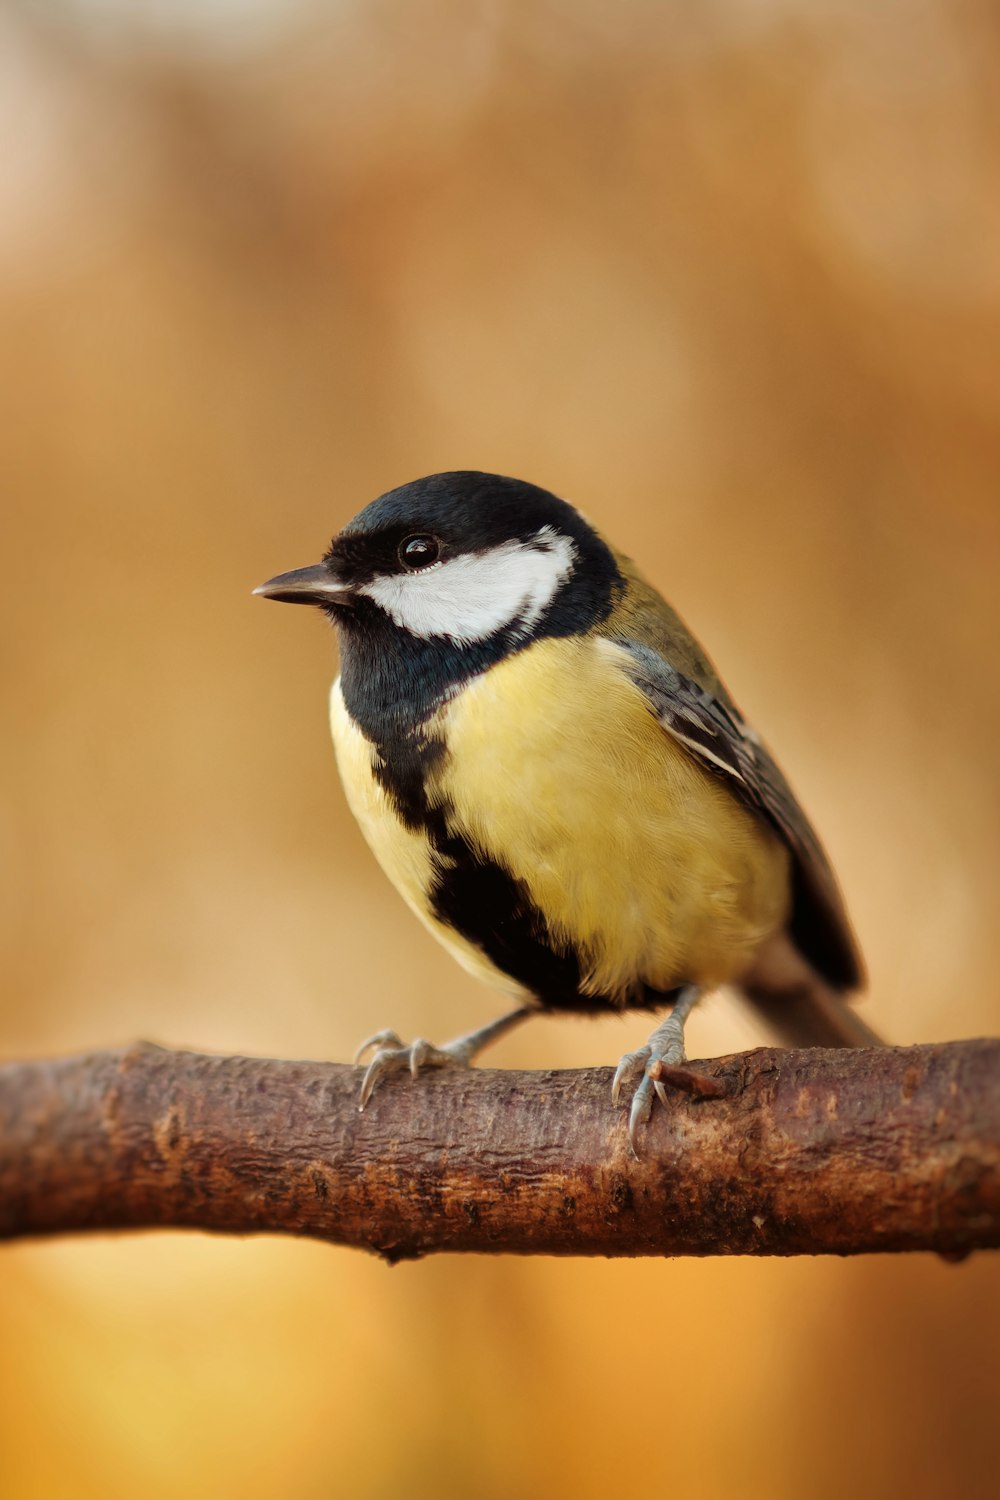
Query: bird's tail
(798, 1005)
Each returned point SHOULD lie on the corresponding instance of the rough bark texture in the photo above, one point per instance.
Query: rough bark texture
(806, 1152)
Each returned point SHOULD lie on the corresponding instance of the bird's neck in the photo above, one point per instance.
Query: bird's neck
(393, 682)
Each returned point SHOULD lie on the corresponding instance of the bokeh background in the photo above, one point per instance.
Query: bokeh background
(727, 276)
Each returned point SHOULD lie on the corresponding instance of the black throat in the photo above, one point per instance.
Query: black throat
(393, 681)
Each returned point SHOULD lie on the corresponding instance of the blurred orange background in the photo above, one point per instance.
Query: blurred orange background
(726, 276)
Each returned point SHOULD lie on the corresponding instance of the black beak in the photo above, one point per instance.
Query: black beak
(315, 585)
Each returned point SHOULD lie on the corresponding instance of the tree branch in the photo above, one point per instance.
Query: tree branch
(779, 1153)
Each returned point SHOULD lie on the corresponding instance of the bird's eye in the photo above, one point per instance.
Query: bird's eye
(416, 552)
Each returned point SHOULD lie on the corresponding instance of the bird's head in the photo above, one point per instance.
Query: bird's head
(461, 558)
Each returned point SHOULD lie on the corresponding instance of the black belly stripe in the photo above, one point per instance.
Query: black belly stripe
(476, 896)
(482, 901)
(489, 907)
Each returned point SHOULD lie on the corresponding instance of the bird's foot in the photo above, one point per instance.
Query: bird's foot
(392, 1055)
(665, 1048)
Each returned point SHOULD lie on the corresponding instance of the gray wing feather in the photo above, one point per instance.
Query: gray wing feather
(716, 735)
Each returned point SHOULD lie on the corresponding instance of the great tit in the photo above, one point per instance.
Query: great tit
(547, 767)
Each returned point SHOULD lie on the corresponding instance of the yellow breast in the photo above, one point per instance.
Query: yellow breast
(405, 854)
(642, 863)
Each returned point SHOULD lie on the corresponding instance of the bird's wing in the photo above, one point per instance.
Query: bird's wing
(715, 734)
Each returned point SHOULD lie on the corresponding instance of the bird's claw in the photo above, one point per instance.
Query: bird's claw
(379, 1040)
(632, 1062)
(665, 1046)
(393, 1055)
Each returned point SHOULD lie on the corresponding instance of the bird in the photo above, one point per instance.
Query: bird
(548, 768)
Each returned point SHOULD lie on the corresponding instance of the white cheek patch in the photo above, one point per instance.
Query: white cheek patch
(470, 598)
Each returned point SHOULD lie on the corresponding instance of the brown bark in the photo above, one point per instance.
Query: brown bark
(785, 1153)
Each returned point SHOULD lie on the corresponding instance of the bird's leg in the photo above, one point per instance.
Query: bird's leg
(392, 1054)
(666, 1045)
